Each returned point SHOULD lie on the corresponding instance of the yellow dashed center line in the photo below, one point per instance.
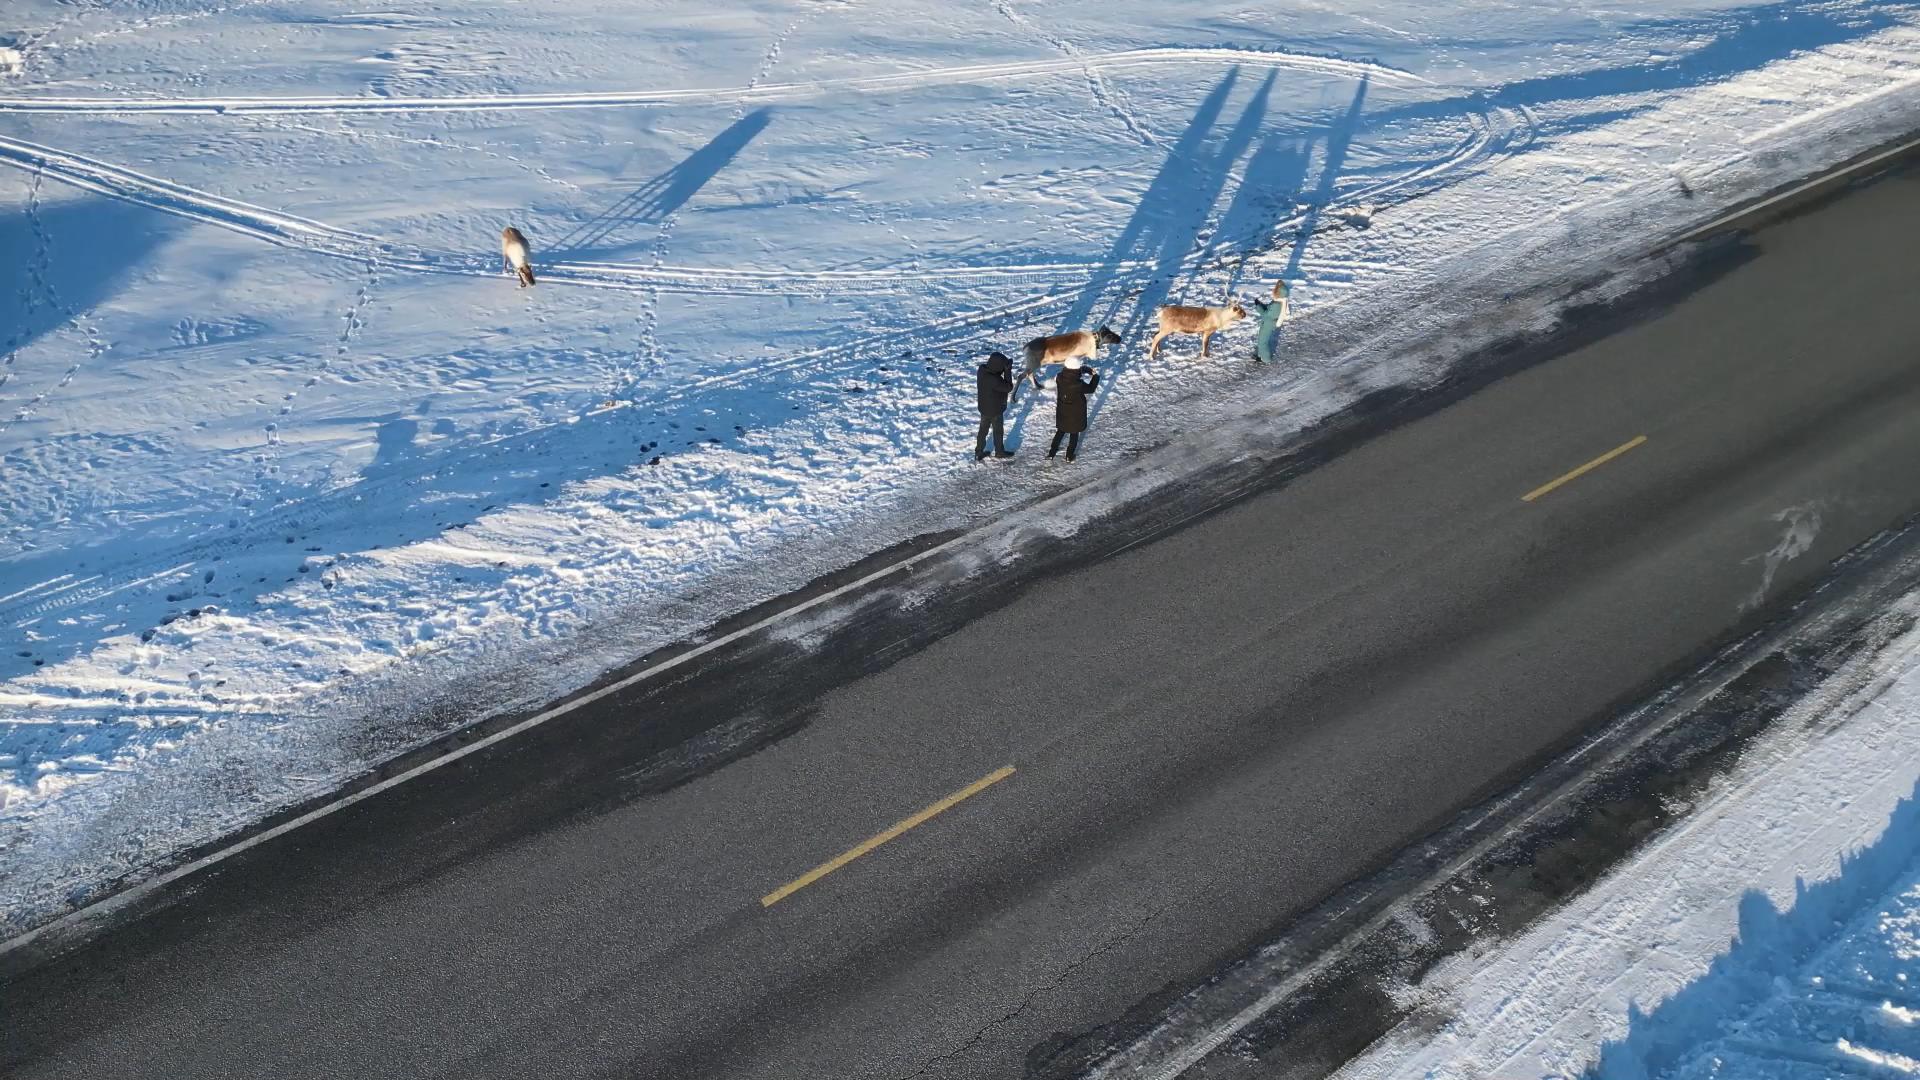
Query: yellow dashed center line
(1584, 469)
(875, 841)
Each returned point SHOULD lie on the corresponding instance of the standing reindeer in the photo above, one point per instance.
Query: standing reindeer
(1205, 321)
(1059, 348)
(513, 246)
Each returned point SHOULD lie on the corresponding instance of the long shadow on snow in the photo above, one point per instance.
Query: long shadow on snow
(652, 202)
(1339, 136)
(1165, 224)
(1339, 140)
(1741, 41)
(391, 503)
(1268, 192)
(1770, 946)
(408, 493)
(90, 245)
(1176, 244)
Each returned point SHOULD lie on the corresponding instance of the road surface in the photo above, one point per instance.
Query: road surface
(948, 843)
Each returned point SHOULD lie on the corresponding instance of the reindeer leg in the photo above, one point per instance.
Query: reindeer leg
(1154, 349)
(1204, 335)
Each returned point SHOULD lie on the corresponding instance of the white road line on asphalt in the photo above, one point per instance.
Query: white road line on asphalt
(1833, 177)
(119, 900)
(1139, 1061)
(123, 898)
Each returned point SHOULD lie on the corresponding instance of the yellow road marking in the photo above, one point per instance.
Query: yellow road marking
(1584, 469)
(869, 844)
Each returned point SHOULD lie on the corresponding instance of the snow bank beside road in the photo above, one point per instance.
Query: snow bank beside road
(283, 465)
(1775, 933)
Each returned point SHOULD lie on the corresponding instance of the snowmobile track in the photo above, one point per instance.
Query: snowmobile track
(1495, 131)
(1054, 284)
(765, 92)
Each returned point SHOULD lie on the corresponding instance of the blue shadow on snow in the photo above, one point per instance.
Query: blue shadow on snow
(1268, 191)
(1145, 259)
(654, 201)
(1740, 41)
(1770, 946)
(65, 259)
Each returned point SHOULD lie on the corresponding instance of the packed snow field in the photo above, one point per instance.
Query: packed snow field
(1773, 935)
(294, 478)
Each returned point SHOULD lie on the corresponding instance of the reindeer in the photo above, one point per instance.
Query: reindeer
(1205, 321)
(513, 247)
(1042, 351)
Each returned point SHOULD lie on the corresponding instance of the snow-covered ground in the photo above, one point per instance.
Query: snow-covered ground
(293, 478)
(1773, 935)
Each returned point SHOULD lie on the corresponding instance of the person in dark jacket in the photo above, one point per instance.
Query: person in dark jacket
(1072, 387)
(996, 382)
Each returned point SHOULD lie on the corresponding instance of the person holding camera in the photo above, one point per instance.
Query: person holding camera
(996, 383)
(1072, 387)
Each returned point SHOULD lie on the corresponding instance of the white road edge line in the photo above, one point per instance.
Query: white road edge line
(121, 899)
(1838, 688)
(1826, 178)
(1127, 1063)
(125, 897)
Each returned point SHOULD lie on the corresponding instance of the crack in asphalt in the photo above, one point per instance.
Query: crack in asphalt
(1060, 979)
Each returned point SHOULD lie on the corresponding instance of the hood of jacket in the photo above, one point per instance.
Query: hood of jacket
(998, 363)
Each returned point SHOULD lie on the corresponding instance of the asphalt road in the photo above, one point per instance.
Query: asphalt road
(1208, 732)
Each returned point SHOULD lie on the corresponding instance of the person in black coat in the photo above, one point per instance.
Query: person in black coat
(996, 383)
(1072, 387)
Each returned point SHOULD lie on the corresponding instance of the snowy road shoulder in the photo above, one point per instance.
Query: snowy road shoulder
(296, 485)
(1774, 933)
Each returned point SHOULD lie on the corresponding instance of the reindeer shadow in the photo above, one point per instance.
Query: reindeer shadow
(1339, 140)
(1268, 192)
(1159, 287)
(1164, 227)
(654, 201)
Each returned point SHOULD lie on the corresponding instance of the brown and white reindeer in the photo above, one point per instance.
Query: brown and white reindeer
(513, 246)
(1059, 347)
(1205, 321)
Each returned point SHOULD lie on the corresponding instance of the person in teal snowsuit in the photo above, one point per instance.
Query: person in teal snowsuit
(1271, 316)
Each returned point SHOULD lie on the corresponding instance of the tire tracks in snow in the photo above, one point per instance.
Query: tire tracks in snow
(1494, 131)
(648, 352)
(1380, 74)
(1103, 93)
(1055, 285)
(40, 288)
(289, 231)
(533, 168)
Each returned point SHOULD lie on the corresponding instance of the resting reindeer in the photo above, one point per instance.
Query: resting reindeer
(1056, 349)
(1205, 321)
(514, 247)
